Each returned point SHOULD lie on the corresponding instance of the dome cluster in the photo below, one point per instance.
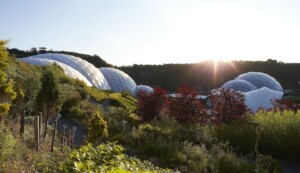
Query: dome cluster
(259, 89)
(74, 67)
(252, 81)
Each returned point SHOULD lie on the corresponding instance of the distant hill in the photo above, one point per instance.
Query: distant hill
(93, 59)
(204, 77)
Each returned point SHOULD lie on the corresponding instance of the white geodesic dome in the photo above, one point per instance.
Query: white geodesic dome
(260, 80)
(239, 85)
(89, 71)
(118, 80)
(261, 98)
(69, 71)
(144, 88)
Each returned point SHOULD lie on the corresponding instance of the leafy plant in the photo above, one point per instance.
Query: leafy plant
(186, 108)
(105, 158)
(227, 105)
(151, 105)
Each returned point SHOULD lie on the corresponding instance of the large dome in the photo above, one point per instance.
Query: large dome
(89, 71)
(143, 88)
(69, 71)
(260, 80)
(118, 80)
(239, 85)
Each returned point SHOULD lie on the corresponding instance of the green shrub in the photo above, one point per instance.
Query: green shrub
(105, 158)
(7, 144)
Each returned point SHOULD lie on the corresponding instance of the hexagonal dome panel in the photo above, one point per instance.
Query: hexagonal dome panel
(118, 80)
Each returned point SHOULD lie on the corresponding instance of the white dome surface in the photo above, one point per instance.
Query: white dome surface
(118, 80)
(69, 71)
(89, 71)
(260, 80)
(239, 85)
(261, 98)
(144, 88)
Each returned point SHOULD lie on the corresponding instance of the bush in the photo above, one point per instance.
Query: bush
(227, 105)
(186, 108)
(7, 144)
(151, 105)
(105, 158)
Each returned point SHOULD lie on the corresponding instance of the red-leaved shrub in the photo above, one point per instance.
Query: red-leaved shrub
(285, 104)
(227, 105)
(185, 107)
(151, 105)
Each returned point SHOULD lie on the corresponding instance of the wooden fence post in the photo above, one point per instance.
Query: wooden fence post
(63, 136)
(40, 122)
(37, 132)
(54, 133)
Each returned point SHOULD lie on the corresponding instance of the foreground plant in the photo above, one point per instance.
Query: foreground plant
(106, 158)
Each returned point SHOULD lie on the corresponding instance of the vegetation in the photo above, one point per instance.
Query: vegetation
(106, 158)
(169, 134)
(6, 89)
(278, 134)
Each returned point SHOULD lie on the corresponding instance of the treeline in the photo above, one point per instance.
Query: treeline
(207, 75)
(93, 59)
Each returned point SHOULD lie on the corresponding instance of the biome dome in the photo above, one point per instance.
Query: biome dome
(261, 98)
(89, 71)
(143, 88)
(239, 85)
(69, 71)
(260, 80)
(118, 80)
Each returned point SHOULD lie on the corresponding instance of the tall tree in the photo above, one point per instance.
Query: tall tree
(6, 88)
(49, 99)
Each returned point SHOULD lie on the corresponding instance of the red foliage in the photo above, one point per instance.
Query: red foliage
(285, 104)
(185, 107)
(150, 105)
(227, 105)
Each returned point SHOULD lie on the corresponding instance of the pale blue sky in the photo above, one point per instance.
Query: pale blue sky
(125, 32)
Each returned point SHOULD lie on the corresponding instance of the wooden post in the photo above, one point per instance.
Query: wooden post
(256, 141)
(22, 123)
(63, 136)
(53, 137)
(40, 122)
(37, 132)
(73, 136)
(84, 140)
(69, 137)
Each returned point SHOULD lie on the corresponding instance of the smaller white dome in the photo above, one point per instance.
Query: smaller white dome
(143, 88)
(239, 85)
(118, 80)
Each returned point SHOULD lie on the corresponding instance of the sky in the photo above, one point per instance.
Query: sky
(126, 32)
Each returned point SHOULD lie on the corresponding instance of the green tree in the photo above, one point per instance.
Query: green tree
(6, 88)
(49, 98)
